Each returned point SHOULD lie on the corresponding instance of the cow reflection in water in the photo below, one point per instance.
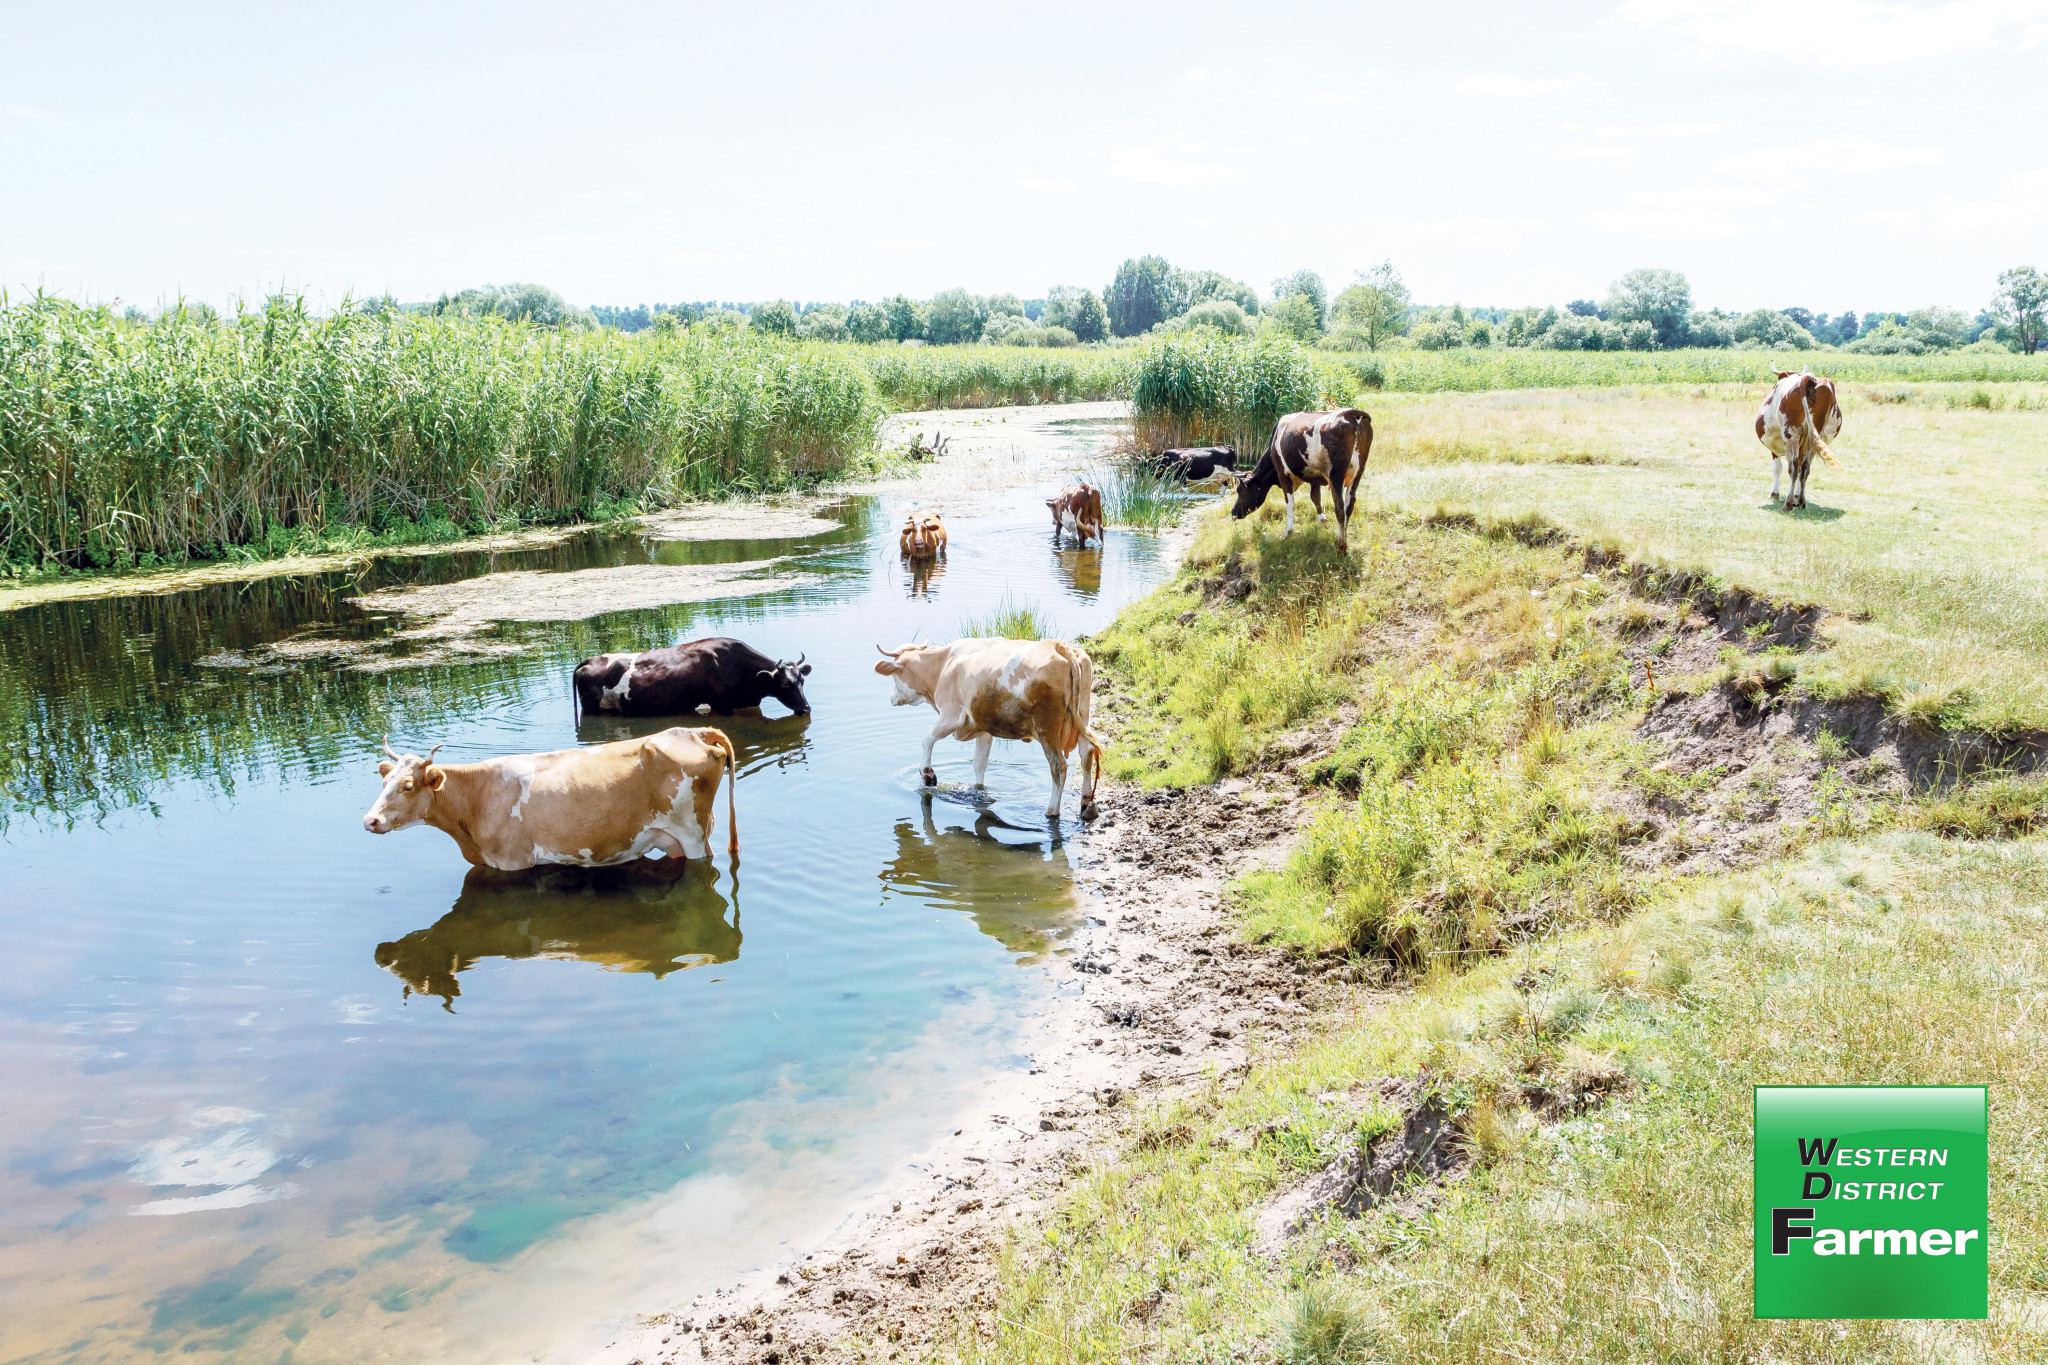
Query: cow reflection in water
(1015, 883)
(1080, 570)
(623, 919)
(924, 576)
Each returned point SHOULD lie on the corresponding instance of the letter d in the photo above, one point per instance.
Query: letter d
(1827, 1183)
(1782, 1231)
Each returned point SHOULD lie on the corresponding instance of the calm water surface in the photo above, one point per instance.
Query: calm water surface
(279, 1089)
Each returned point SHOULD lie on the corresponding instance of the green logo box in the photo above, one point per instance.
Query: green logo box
(1872, 1201)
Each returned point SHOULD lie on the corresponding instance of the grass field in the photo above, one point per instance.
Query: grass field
(1481, 838)
(1929, 537)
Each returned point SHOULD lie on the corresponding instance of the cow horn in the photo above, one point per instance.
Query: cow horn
(800, 659)
(388, 750)
(435, 750)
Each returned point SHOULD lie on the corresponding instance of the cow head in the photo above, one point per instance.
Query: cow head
(895, 665)
(1253, 488)
(409, 786)
(786, 684)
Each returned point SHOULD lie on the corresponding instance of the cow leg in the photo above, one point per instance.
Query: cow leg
(1777, 463)
(1343, 518)
(1091, 766)
(1315, 495)
(1289, 495)
(1057, 762)
(982, 745)
(939, 732)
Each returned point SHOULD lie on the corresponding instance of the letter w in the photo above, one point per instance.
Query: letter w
(1817, 1154)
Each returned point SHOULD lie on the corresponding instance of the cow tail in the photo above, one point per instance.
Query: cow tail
(1075, 688)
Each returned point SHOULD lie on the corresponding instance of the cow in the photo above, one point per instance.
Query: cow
(985, 690)
(923, 537)
(718, 671)
(1193, 463)
(1799, 417)
(1077, 512)
(1312, 448)
(603, 806)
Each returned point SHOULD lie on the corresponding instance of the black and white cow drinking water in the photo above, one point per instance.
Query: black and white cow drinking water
(718, 672)
(1317, 449)
(1194, 463)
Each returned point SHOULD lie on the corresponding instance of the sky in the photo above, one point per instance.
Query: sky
(1826, 154)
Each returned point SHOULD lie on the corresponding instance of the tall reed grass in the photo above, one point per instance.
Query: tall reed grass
(1215, 390)
(1474, 371)
(916, 378)
(189, 436)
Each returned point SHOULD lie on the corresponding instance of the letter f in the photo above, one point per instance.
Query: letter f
(1782, 1231)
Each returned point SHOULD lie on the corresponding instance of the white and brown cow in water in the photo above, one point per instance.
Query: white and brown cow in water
(1316, 449)
(1077, 512)
(923, 537)
(597, 807)
(1799, 417)
(985, 690)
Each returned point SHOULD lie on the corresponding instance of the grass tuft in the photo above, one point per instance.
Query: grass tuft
(1008, 619)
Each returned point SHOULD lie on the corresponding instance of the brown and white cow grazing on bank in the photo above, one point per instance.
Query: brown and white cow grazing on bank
(1077, 511)
(596, 807)
(985, 690)
(923, 536)
(1316, 449)
(1799, 417)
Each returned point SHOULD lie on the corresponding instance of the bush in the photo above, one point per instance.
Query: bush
(1075, 310)
(1222, 315)
(1638, 336)
(1000, 326)
(869, 323)
(1437, 334)
(1038, 336)
(1294, 318)
(1576, 332)
(775, 319)
(1772, 330)
(823, 324)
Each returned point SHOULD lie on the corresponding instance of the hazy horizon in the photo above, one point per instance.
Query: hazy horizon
(1827, 155)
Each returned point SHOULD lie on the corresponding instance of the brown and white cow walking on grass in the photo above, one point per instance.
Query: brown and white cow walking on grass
(1316, 449)
(985, 690)
(1799, 417)
(597, 807)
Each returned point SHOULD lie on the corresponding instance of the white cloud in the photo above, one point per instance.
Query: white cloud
(1662, 130)
(1614, 152)
(1148, 167)
(1049, 186)
(703, 257)
(1195, 73)
(1487, 231)
(1836, 32)
(2021, 203)
(1501, 85)
(1329, 99)
(1702, 211)
(1840, 155)
(1891, 218)
(905, 243)
(2034, 36)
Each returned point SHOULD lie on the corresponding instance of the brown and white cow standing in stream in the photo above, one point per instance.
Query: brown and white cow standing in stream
(1077, 512)
(596, 807)
(985, 690)
(1799, 417)
(1312, 448)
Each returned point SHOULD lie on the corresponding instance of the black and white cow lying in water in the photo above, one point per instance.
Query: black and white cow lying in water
(1316, 449)
(718, 672)
(1194, 463)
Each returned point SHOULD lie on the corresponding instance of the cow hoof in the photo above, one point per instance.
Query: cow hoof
(1088, 810)
(931, 779)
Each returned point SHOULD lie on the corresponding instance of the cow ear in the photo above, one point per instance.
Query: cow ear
(804, 671)
(384, 768)
(887, 666)
(437, 778)
(1784, 374)
(764, 673)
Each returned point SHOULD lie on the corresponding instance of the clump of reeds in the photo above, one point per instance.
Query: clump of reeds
(1007, 619)
(1212, 390)
(1133, 495)
(915, 378)
(191, 435)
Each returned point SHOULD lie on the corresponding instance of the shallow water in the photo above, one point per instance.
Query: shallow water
(277, 1086)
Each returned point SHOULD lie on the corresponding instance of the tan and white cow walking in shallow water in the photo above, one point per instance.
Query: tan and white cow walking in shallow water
(596, 807)
(985, 690)
(1799, 417)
